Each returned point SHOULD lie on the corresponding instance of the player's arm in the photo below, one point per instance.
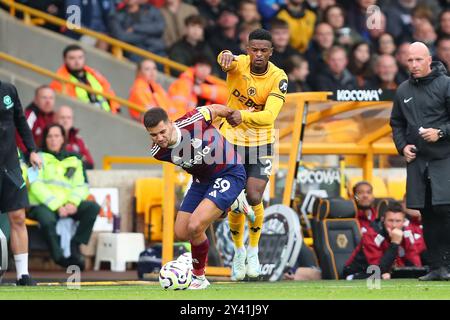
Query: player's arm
(272, 108)
(227, 60)
(219, 110)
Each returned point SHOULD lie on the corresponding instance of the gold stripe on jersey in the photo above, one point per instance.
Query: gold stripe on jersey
(278, 96)
(259, 98)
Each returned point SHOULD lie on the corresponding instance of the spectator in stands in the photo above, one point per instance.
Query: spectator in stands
(306, 267)
(53, 7)
(365, 202)
(192, 44)
(140, 25)
(378, 29)
(320, 8)
(225, 35)
(60, 192)
(402, 61)
(73, 141)
(322, 41)
(244, 31)
(443, 51)
(282, 50)
(345, 36)
(387, 244)
(196, 87)
(414, 222)
(444, 23)
(94, 15)
(76, 70)
(297, 71)
(357, 17)
(424, 32)
(175, 13)
(248, 12)
(147, 92)
(336, 76)
(400, 16)
(386, 44)
(268, 10)
(211, 10)
(385, 71)
(39, 114)
(360, 63)
(301, 22)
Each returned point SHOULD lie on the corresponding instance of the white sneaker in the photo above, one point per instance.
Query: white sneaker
(198, 283)
(240, 205)
(238, 269)
(253, 266)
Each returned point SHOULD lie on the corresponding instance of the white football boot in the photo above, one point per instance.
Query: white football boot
(238, 268)
(253, 266)
(198, 283)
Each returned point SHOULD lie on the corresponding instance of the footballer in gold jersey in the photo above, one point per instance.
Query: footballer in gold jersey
(257, 90)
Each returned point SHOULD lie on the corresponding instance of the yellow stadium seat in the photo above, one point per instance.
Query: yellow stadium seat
(148, 195)
(396, 188)
(379, 186)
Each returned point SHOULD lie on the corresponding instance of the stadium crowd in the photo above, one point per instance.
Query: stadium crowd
(322, 45)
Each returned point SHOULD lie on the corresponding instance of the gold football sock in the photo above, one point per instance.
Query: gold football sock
(255, 227)
(237, 225)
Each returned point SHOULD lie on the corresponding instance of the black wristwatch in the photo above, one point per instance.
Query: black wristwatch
(441, 133)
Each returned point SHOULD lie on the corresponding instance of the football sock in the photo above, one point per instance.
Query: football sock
(21, 262)
(255, 227)
(199, 256)
(237, 225)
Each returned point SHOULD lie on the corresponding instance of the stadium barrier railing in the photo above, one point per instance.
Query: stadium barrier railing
(117, 47)
(55, 76)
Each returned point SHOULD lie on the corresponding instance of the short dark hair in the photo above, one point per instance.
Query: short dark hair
(260, 34)
(71, 47)
(394, 206)
(294, 62)
(201, 59)
(277, 23)
(441, 38)
(195, 19)
(46, 132)
(42, 87)
(361, 183)
(154, 116)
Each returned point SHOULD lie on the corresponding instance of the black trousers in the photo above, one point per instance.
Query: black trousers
(436, 231)
(86, 215)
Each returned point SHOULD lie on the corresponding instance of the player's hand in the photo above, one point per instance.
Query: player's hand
(71, 209)
(235, 118)
(429, 135)
(396, 235)
(62, 211)
(35, 160)
(408, 152)
(226, 59)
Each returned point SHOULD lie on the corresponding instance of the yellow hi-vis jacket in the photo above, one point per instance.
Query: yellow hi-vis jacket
(60, 180)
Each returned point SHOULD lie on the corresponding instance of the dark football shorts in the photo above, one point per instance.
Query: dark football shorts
(223, 190)
(13, 190)
(258, 161)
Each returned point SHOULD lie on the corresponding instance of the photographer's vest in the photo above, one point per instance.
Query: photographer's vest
(83, 95)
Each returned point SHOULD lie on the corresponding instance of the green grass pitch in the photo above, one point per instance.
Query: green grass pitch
(283, 290)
